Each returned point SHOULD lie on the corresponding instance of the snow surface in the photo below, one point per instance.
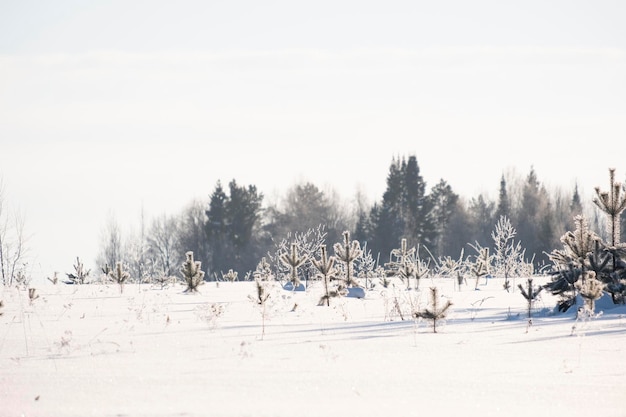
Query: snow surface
(87, 350)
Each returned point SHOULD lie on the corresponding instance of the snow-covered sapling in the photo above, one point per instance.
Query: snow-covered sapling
(590, 289)
(262, 277)
(192, 273)
(80, 274)
(263, 271)
(1, 306)
(508, 256)
(119, 275)
(293, 260)
(436, 312)
(347, 253)
(612, 203)
(230, 276)
(530, 293)
(480, 268)
(327, 272)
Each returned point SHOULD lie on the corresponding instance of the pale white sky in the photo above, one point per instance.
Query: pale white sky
(108, 106)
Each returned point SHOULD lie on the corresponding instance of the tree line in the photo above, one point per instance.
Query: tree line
(235, 228)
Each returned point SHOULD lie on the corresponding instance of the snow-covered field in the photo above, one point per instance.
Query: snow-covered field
(87, 350)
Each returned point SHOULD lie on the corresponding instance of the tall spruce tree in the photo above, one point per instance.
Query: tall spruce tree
(406, 209)
(535, 221)
(388, 216)
(481, 212)
(444, 202)
(420, 227)
(232, 221)
(216, 229)
(503, 208)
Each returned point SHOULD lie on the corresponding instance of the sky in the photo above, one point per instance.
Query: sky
(111, 108)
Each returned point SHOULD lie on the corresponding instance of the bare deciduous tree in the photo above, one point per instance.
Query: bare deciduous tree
(12, 241)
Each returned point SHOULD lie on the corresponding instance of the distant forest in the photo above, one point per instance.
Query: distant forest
(235, 229)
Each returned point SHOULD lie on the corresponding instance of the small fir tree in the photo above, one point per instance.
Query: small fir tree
(263, 271)
(192, 273)
(230, 276)
(436, 312)
(480, 267)
(348, 253)
(293, 260)
(119, 275)
(577, 245)
(530, 293)
(590, 289)
(612, 203)
(327, 272)
(80, 274)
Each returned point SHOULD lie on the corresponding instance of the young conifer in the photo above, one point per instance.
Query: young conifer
(327, 272)
(530, 294)
(612, 203)
(293, 260)
(119, 275)
(192, 273)
(436, 312)
(262, 279)
(480, 268)
(230, 276)
(348, 253)
(590, 289)
(80, 275)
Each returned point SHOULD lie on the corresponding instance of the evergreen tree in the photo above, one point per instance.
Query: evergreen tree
(388, 218)
(327, 272)
(444, 202)
(481, 212)
(347, 253)
(576, 206)
(535, 221)
(192, 273)
(590, 289)
(421, 228)
(120, 275)
(233, 222)
(217, 225)
(504, 205)
(80, 274)
(406, 210)
(612, 203)
(293, 260)
(243, 208)
(530, 294)
(436, 312)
